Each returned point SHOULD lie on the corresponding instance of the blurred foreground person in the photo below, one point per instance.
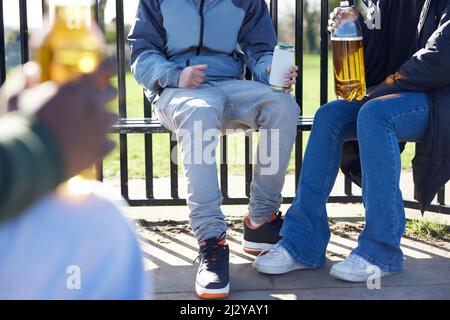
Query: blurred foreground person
(56, 244)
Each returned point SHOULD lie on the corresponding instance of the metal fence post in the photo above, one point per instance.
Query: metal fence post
(120, 29)
(2, 46)
(24, 31)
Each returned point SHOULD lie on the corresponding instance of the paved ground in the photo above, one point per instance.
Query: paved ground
(170, 248)
(236, 186)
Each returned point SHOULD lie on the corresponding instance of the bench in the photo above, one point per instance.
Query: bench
(150, 126)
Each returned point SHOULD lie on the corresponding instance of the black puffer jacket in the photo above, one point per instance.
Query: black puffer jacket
(426, 68)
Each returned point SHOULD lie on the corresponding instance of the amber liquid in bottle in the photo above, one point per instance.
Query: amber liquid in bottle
(73, 46)
(349, 69)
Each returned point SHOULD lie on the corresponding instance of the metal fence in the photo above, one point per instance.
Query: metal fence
(150, 127)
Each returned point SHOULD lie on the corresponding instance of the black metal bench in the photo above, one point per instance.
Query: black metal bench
(151, 126)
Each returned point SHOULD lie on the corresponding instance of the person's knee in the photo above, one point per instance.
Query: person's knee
(372, 116)
(198, 113)
(288, 103)
(330, 114)
(283, 111)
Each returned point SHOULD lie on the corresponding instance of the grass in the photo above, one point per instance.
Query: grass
(136, 152)
(428, 230)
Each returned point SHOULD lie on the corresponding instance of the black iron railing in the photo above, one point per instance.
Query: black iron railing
(149, 126)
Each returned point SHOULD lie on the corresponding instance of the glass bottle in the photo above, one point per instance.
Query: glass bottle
(74, 45)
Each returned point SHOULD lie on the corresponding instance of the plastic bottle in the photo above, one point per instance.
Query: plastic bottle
(348, 56)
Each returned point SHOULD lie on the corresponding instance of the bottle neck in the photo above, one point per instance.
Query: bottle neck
(72, 16)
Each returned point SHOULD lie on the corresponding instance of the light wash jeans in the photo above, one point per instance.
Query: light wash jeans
(378, 125)
(199, 116)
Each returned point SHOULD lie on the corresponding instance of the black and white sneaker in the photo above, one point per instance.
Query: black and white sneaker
(263, 237)
(213, 271)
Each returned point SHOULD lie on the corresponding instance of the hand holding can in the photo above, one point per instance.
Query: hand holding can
(283, 72)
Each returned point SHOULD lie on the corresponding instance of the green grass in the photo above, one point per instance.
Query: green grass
(428, 229)
(311, 101)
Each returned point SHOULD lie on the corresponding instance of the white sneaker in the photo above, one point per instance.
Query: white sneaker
(277, 261)
(355, 269)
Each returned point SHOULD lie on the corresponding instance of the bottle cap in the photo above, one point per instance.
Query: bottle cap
(345, 4)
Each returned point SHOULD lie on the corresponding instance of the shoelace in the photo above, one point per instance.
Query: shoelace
(215, 252)
(360, 262)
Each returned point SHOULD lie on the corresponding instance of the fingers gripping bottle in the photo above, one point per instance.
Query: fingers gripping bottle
(74, 45)
(348, 56)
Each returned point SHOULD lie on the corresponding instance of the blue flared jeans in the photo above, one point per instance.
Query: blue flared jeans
(378, 125)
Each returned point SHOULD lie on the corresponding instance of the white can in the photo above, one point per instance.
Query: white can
(283, 60)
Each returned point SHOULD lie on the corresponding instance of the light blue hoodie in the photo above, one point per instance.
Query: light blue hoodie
(227, 35)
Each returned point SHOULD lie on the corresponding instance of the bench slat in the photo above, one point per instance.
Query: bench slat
(150, 126)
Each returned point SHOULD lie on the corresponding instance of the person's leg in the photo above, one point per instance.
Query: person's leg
(305, 230)
(71, 248)
(277, 122)
(195, 116)
(253, 105)
(381, 124)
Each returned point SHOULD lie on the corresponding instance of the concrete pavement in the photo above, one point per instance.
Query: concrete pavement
(170, 248)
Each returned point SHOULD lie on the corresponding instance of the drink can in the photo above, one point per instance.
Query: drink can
(283, 60)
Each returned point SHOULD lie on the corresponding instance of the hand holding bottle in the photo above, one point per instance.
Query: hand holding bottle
(347, 38)
(339, 15)
(75, 113)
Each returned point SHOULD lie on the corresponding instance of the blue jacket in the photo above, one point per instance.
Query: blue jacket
(227, 35)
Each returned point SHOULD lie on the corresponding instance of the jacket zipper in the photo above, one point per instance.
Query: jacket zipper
(202, 26)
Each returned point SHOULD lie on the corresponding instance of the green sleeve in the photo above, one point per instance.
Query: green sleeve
(31, 164)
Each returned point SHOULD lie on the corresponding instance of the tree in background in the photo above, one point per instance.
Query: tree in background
(311, 24)
(312, 27)
(101, 13)
(333, 4)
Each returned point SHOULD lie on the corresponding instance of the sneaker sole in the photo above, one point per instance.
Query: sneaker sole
(353, 278)
(212, 294)
(256, 248)
(277, 271)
